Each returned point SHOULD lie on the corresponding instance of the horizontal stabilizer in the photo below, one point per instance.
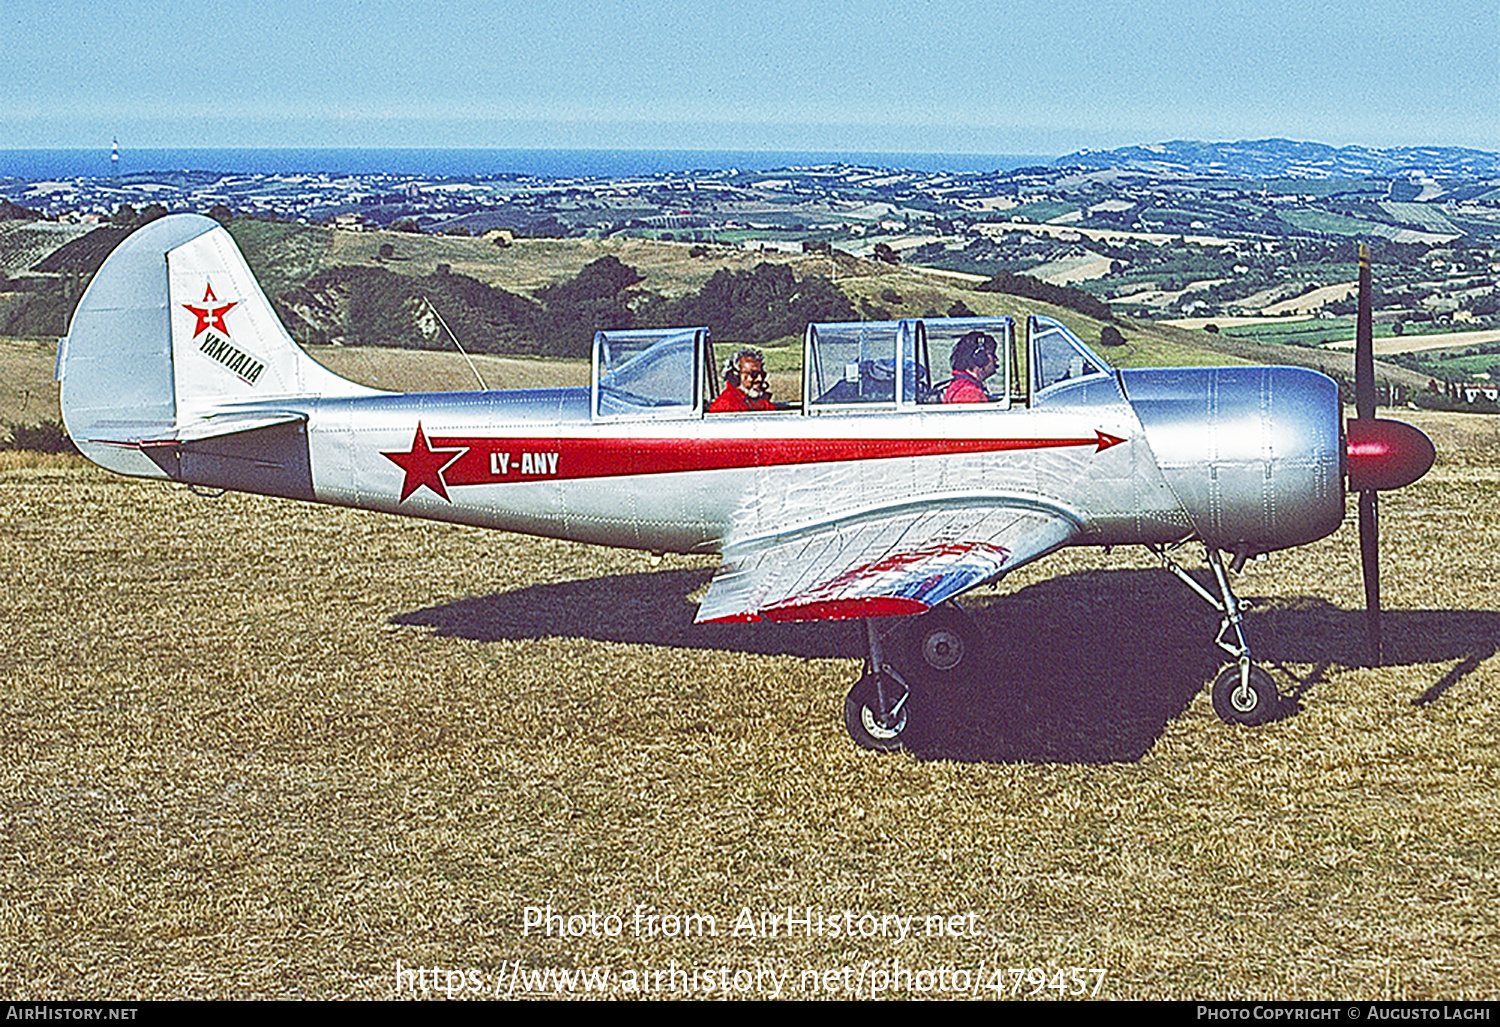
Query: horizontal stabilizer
(271, 459)
(127, 435)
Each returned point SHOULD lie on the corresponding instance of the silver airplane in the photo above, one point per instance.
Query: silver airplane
(867, 498)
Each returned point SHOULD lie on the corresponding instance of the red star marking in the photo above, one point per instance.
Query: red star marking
(424, 465)
(210, 317)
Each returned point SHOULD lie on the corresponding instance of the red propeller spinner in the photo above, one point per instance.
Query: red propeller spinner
(1386, 454)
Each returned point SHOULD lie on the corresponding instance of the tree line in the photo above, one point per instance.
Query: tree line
(366, 306)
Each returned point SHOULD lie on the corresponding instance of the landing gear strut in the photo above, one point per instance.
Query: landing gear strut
(1242, 693)
(875, 712)
(939, 652)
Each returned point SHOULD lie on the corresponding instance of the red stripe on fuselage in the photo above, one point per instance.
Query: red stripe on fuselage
(495, 461)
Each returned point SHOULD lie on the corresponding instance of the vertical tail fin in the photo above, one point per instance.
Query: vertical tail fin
(174, 339)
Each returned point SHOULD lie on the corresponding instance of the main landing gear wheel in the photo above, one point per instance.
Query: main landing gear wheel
(943, 648)
(863, 719)
(1251, 702)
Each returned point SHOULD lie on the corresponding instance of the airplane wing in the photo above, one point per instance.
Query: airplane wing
(885, 563)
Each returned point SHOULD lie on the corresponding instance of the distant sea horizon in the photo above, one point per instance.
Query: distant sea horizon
(458, 163)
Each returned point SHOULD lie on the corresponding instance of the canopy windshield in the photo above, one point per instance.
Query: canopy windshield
(1058, 356)
(649, 374)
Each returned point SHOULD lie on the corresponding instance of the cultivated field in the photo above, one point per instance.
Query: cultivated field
(1313, 301)
(1416, 343)
(262, 749)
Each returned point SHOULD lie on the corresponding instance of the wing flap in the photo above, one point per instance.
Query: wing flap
(887, 563)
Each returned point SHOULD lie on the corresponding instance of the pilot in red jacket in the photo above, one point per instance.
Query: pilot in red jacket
(745, 388)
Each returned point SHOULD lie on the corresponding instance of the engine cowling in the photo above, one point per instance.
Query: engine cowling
(1254, 454)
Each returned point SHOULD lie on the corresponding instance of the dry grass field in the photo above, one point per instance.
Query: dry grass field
(262, 749)
(27, 392)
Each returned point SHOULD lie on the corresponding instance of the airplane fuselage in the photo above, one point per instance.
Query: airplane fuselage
(1178, 459)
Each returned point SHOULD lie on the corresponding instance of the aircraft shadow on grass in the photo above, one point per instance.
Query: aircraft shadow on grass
(1088, 667)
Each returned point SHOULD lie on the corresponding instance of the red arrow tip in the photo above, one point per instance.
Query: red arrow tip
(1105, 441)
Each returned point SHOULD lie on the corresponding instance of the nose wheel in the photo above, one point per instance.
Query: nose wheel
(1247, 696)
(1243, 693)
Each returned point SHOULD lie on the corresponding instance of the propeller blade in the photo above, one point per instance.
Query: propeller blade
(1364, 410)
(1369, 562)
(1364, 343)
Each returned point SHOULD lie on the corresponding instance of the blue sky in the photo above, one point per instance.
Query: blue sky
(875, 75)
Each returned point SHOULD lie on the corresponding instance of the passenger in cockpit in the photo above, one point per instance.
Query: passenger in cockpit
(973, 361)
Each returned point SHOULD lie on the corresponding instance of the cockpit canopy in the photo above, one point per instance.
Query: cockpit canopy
(853, 364)
(847, 367)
